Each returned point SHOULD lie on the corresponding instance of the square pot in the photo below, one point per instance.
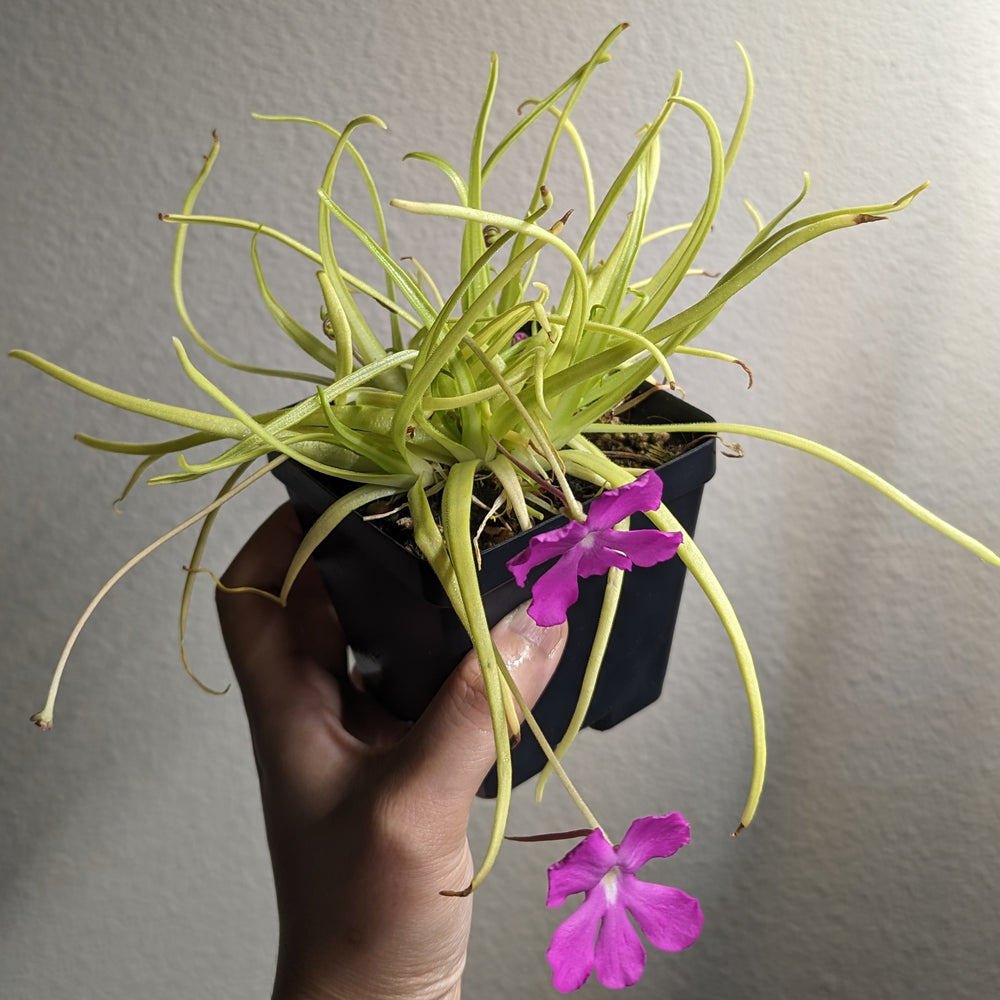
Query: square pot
(406, 639)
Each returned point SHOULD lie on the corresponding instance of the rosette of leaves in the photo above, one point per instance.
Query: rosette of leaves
(459, 392)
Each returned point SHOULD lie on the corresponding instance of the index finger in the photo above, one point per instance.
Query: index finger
(278, 651)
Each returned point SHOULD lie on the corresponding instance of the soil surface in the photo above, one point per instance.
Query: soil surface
(631, 451)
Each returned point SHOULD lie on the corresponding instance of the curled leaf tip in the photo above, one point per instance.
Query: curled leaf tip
(457, 893)
(540, 837)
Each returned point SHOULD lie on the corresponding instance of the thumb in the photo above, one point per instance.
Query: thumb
(451, 747)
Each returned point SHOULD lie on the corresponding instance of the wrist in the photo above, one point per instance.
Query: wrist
(293, 993)
(299, 987)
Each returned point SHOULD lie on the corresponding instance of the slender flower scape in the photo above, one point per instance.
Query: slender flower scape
(592, 547)
(670, 918)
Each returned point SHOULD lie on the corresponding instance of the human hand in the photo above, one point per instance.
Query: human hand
(366, 816)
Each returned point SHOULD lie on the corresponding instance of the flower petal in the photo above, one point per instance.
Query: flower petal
(581, 869)
(652, 837)
(620, 957)
(596, 559)
(644, 546)
(670, 918)
(612, 506)
(555, 590)
(571, 953)
(544, 547)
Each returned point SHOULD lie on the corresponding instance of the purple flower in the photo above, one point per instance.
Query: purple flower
(671, 919)
(592, 547)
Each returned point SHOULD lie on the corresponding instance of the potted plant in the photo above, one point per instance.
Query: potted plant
(485, 415)
(404, 667)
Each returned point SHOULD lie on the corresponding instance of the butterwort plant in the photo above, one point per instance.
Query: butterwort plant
(482, 404)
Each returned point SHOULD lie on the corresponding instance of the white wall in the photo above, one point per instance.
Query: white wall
(133, 861)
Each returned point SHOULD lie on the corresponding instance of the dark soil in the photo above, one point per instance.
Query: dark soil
(631, 451)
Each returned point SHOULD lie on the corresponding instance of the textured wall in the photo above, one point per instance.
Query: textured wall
(133, 860)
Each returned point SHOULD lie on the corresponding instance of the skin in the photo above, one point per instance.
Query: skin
(366, 816)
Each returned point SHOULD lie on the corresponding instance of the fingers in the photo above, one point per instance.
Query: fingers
(451, 747)
(290, 665)
(286, 659)
(264, 558)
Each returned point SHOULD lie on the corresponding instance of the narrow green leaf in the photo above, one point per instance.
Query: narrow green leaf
(848, 465)
(221, 427)
(297, 333)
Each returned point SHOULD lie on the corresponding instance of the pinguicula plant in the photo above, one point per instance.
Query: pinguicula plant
(505, 379)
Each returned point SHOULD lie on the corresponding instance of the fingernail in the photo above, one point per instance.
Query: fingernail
(545, 640)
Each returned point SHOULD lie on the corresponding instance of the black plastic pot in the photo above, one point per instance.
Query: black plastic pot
(406, 639)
